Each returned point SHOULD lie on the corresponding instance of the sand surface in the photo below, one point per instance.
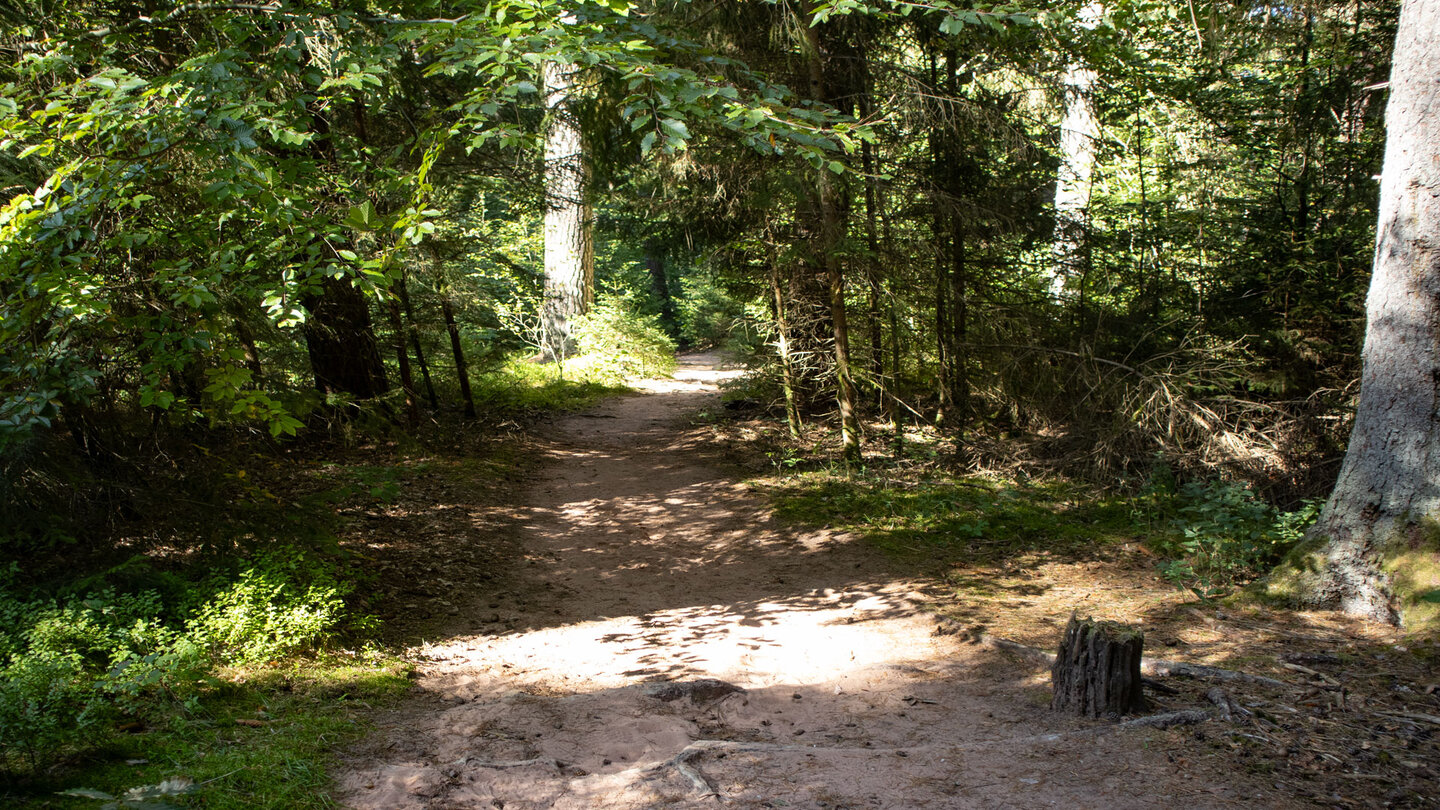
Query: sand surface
(664, 643)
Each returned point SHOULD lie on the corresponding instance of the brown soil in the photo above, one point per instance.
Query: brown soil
(643, 567)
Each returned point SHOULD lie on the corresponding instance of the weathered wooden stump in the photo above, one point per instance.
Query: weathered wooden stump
(1097, 672)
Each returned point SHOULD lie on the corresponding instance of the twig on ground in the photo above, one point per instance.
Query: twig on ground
(1230, 711)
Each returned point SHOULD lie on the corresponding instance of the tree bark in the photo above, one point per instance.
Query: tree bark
(402, 357)
(569, 249)
(1097, 672)
(660, 282)
(1390, 480)
(831, 231)
(344, 355)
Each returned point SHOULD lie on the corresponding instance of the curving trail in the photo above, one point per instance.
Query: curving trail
(647, 569)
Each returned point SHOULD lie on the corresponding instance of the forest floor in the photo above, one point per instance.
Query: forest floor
(656, 637)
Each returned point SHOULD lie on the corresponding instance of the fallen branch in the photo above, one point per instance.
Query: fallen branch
(1035, 654)
(1166, 669)
(1187, 717)
(1229, 709)
(1153, 667)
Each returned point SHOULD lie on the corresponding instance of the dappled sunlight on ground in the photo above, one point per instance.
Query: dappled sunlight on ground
(654, 605)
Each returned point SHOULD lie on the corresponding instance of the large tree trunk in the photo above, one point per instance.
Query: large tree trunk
(569, 250)
(1079, 134)
(343, 353)
(1370, 553)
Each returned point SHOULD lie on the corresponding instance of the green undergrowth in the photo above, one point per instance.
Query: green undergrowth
(211, 639)
(1210, 537)
(254, 739)
(143, 663)
(523, 389)
(945, 520)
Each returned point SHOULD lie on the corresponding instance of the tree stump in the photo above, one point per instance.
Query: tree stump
(1097, 673)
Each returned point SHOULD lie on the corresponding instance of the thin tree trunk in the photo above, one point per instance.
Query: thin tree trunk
(782, 347)
(461, 369)
(659, 281)
(414, 329)
(1375, 549)
(569, 250)
(407, 380)
(447, 311)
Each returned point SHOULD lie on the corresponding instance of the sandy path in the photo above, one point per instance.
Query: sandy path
(644, 563)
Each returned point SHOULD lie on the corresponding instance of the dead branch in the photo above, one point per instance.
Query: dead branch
(1153, 667)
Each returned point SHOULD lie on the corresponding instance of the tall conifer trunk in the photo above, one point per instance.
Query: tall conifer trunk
(569, 249)
(831, 231)
(1377, 544)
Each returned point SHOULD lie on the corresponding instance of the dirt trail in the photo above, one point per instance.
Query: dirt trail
(645, 564)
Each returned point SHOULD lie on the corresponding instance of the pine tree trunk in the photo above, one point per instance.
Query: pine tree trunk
(461, 369)
(1390, 480)
(1097, 671)
(831, 231)
(569, 251)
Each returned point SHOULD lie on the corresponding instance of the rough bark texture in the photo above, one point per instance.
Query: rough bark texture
(343, 353)
(569, 250)
(1390, 480)
(1097, 673)
(1079, 133)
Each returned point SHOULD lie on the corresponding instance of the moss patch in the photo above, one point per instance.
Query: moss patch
(1413, 565)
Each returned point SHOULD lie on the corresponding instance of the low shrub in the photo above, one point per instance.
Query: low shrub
(616, 344)
(1223, 536)
(72, 666)
(278, 604)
